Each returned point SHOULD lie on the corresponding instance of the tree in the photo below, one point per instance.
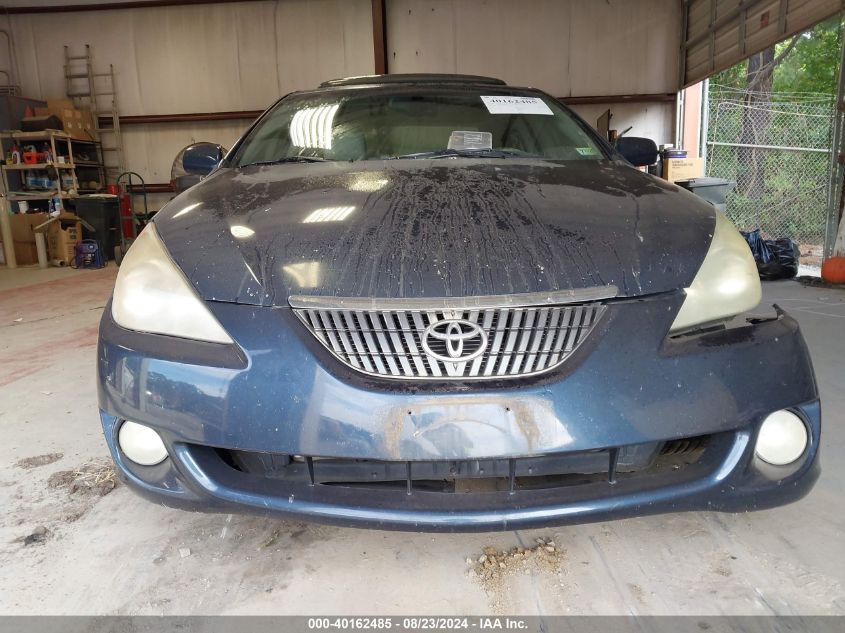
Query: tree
(759, 76)
(758, 102)
(812, 64)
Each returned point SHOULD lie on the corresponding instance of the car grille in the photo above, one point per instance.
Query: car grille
(476, 475)
(453, 343)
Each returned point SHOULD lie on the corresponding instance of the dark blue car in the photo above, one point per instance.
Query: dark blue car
(444, 303)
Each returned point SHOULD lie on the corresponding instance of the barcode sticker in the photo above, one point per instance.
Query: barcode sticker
(499, 104)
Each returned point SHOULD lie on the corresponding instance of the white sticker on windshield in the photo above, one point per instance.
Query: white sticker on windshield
(503, 104)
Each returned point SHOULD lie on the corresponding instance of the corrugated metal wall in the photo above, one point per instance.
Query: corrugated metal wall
(243, 56)
(566, 47)
(206, 58)
(721, 33)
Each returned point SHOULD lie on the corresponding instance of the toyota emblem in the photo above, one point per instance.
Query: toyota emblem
(454, 340)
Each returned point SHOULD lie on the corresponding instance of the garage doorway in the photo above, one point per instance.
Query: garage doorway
(769, 128)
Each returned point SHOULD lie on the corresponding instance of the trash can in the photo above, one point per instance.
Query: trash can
(102, 212)
(714, 190)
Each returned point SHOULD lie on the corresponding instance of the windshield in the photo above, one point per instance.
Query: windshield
(416, 122)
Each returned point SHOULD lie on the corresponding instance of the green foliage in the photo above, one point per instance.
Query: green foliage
(733, 77)
(812, 66)
(799, 114)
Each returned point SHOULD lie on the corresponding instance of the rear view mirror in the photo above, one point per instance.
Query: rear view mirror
(200, 159)
(638, 151)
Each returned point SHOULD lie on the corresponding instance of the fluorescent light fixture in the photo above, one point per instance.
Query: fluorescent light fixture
(312, 127)
(304, 274)
(328, 214)
(240, 231)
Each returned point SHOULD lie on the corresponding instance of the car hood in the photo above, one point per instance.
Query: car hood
(434, 228)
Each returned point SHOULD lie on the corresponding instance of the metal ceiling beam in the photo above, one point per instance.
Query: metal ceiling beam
(242, 115)
(661, 97)
(110, 6)
(186, 117)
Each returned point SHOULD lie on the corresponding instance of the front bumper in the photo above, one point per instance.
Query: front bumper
(279, 392)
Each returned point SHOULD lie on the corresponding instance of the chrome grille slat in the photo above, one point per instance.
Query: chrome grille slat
(486, 324)
(507, 342)
(344, 337)
(397, 344)
(539, 332)
(574, 330)
(349, 318)
(419, 324)
(525, 336)
(560, 336)
(410, 340)
(375, 320)
(374, 350)
(510, 342)
(497, 341)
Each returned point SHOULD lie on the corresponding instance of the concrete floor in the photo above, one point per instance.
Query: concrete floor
(118, 554)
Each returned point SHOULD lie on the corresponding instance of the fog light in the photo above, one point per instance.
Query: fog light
(782, 438)
(141, 444)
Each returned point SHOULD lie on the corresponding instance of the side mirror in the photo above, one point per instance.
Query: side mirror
(638, 151)
(200, 159)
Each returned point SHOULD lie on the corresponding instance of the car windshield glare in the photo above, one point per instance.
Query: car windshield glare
(389, 123)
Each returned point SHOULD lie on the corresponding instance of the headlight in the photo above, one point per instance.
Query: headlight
(152, 295)
(727, 283)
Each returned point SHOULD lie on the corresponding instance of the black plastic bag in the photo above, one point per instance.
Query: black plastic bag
(759, 248)
(787, 254)
(776, 259)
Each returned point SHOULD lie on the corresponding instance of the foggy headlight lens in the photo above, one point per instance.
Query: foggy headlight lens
(141, 444)
(727, 283)
(782, 438)
(152, 295)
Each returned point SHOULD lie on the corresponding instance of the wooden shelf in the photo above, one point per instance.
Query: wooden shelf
(41, 195)
(24, 166)
(56, 172)
(44, 135)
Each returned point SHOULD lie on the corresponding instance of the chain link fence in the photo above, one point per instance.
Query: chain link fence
(777, 148)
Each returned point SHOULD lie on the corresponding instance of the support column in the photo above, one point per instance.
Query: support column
(379, 37)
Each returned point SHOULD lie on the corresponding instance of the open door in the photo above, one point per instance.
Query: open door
(721, 33)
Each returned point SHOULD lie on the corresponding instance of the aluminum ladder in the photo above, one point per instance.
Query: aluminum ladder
(97, 91)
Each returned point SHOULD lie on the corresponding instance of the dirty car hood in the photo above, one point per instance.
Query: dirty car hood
(434, 228)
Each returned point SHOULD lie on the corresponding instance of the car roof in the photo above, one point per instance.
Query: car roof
(412, 78)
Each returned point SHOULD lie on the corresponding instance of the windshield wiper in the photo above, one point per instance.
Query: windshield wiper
(467, 153)
(287, 159)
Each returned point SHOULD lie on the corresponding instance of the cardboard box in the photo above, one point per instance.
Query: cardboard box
(675, 169)
(23, 236)
(25, 253)
(62, 235)
(77, 123)
(23, 225)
